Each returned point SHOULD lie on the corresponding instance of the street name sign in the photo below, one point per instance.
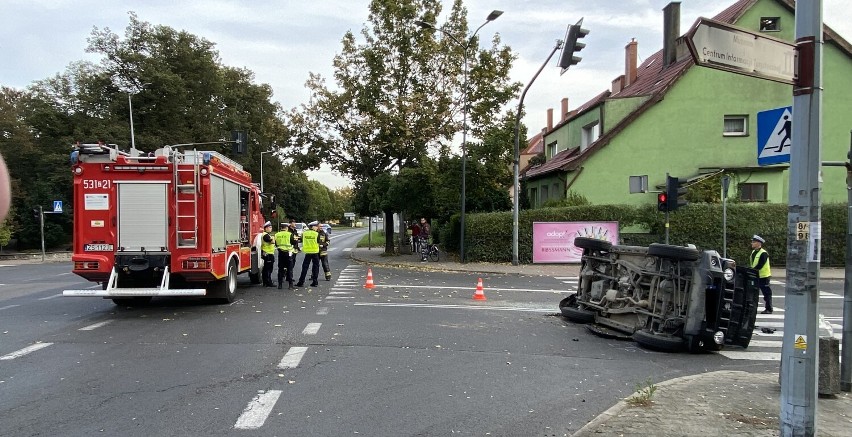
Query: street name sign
(730, 48)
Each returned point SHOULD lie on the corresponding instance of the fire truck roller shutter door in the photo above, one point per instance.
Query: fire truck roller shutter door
(142, 216)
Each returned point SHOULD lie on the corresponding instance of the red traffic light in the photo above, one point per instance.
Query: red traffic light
(661, 198)
(662, 202)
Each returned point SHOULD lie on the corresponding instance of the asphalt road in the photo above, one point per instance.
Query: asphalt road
(414, 356)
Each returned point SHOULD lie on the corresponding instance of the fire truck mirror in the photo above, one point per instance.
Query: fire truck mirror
(238, 138)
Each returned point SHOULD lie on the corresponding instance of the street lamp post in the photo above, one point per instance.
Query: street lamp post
(466, 48)
(133, 151)
(261, 168)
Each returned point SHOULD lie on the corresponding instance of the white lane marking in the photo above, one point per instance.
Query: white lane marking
(292, 357)
(50, 297)
(257, 411)
(63, 274)
(339, 292)
(5, 265)
(311, 329)
(8, 306)
(94, 326)
(472, 288)
(24, 351)
(765, 343)
(339, 297)
(348, 249)
(464, 307)
(322, 311)
(756, 356)
(571, 278)
(777, 325)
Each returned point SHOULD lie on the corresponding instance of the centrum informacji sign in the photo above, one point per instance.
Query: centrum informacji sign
(725, 47)
(553, 242)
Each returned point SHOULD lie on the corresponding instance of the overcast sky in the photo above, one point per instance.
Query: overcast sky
(281, 41)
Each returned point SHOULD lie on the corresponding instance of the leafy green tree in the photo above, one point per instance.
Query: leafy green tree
(397, 98)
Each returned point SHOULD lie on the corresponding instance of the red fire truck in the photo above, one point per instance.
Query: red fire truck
(171, 223)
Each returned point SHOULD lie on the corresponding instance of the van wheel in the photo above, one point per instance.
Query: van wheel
(572, 311)
(225, 289)
(593, 244)
(660, 342)
(673, 252)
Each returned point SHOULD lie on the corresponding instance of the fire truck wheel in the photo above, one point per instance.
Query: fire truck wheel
(132, 301)
(661, 342)
(225, 289)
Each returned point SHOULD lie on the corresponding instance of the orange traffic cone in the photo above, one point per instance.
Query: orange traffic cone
(480, 292)
(369, 283)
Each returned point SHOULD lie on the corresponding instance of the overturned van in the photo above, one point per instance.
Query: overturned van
(666, 297)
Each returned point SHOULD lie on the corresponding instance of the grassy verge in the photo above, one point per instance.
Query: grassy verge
(377, 240)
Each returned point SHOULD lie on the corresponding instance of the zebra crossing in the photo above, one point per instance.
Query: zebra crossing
(766, 346)
(570, 282)
(348, 281)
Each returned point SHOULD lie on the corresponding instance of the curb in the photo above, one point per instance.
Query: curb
(622, 404)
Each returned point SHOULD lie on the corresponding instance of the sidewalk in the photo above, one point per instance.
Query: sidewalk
(730, 403)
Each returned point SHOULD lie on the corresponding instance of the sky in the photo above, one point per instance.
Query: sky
(282, 41)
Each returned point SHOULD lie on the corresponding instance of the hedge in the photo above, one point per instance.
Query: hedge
(488, 236)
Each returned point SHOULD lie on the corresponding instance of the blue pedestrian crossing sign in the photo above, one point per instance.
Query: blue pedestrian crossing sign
(774, 135)
(57, 206)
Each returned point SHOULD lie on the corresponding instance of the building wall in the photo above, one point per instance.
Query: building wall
(683, 134)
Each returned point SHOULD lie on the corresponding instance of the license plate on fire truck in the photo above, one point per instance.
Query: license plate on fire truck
(98, 247)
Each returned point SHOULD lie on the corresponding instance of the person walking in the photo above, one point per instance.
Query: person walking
(323, 239)
(415, 237)
(759, 260)
(267, 249)
(310, 245)
(284, 242)
(425, 231)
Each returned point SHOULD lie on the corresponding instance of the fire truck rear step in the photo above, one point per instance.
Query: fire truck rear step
(112, 291)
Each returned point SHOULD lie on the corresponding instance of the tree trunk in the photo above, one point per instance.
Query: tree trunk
(388, 227)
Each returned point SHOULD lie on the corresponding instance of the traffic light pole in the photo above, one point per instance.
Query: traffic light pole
(667, 227)
(800, 350)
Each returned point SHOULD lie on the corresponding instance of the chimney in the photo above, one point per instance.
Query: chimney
(564, 115)
(671, 31)
(549, 119)
(617, 84)
(630, 56)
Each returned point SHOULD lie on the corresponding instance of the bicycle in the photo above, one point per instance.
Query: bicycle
(433, 252)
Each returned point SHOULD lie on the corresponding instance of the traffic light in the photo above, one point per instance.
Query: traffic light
(572, 45)
(36, 214)
(662, 205)
(675, 193)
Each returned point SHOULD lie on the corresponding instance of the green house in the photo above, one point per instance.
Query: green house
(668, 115)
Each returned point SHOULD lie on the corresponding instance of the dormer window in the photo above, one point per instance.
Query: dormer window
(770, 24)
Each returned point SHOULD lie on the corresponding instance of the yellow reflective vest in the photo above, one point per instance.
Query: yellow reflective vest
(265, 247)
(309, 241)
(282, 240)
(764, 271)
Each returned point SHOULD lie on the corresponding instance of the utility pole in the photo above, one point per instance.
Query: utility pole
(846, 347)
(800, 354)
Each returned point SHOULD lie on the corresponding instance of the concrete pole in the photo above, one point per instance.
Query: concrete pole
(800, 354)
(846, 346)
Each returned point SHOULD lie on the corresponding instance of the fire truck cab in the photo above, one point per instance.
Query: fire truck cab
(170, 223)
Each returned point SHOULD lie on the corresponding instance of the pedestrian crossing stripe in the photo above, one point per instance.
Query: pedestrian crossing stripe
(801, 342)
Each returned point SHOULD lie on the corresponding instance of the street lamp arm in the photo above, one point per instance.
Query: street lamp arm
(517, 157)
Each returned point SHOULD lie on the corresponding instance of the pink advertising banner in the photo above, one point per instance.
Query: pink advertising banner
(553, 242)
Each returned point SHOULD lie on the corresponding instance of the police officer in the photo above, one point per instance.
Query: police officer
(759, 260)
(284, 242)
(267, 249)
(310, 245)
(323, 240)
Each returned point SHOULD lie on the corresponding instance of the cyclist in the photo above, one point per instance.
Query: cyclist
(425, 231)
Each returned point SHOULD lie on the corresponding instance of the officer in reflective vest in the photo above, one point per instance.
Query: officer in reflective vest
(267, 249)
(310, 245)
(285, 243)
(323, 240)
(760, 261)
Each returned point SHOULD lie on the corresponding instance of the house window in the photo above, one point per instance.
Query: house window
(533, 198)
(753, 192)
(556, 191)
(591, 132)
(770, 24)
(735, 126)
(544, 194)
(551, 150)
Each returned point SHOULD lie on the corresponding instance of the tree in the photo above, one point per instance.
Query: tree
(395, 98)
